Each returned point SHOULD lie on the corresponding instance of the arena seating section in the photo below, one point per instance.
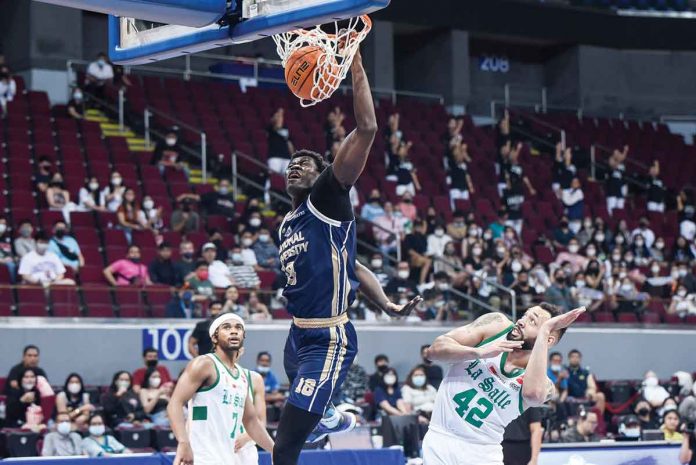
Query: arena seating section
(236, 120)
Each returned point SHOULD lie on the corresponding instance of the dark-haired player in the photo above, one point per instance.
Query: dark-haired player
(497, 370)
(318, 256)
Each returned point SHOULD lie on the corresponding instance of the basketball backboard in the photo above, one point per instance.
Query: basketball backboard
(134, 41)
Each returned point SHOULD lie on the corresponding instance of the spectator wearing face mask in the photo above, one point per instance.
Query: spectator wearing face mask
(186, 263)
(525, 293)
(63, 441)
(76, 104)
(682, 252)
(24, 400)
(682, 303)
(99, 73)
(390, 229)
(58, 197)
(401, 288)
(574, 202)
(437, 242)
(218, 272)
(150, 360)
(380, 269)
(563, 169)
(457, 228)
(458, 179)
(406, 173)
(162, 269)
(563, 234)
(185, 219)
(388, 397)
(90, 198)
(150, 216)
(559, 292)
(113, 193)
(644, 230)
(243, 275)
(381, 367)
(66, 247)
(418, 394)
(154, 397)
(6, 256)
(586, 233)
(75, 400)
(100, 444)
(656, 189)
(656, 285)
(646, 415)
(199, 283)
(266, 252)
(451, 263)
(557, 373)
(199, 342)
(167, 153)
(128, 271)
(121, 404)
(406, 207)
(270, 381)
(415, 247)
(220, 201)
(42, 266)
(373, 207)
(652, 392)
(641, 252)
(616, 184)
(576, 260)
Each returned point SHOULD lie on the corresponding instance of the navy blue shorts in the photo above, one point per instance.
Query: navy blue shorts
(317, 362)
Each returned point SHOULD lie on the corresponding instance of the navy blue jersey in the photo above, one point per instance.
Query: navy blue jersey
(318, 252)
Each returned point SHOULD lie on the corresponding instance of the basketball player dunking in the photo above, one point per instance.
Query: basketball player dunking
(220, 406)
(318, 256)
(497, 370)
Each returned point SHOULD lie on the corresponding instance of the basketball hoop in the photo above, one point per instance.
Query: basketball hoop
(339, 50)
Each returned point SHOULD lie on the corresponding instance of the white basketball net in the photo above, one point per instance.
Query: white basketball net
(333, 65)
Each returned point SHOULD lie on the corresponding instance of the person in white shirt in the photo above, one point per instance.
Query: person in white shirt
(248, 254)
(8, 90)
(42, 266)
(644, 230)
(687, 228)
(418, 395)
(99, 73)
(90, 198)
(437, 242)
(218, 272)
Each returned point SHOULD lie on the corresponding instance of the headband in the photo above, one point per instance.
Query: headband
(225, 317)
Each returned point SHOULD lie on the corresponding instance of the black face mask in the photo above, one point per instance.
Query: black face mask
(151, 363)
(383, 368)
(135, 260)
(561, 281)
(186, 207)
(60, 233)
(644, 412)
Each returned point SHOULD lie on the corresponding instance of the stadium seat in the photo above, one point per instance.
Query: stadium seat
(603, 317)
(134, 437)
(21, 443)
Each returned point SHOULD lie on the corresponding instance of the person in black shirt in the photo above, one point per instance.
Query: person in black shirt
(44, 175)
(616, 185)
(433, 372)
(656, 189)
(566, 170)
(458, 175)
(279, 143)
(381, 367)
(401, 288)
(167, 153)
(415, 247)
(76, 105)
(526, 294)
(199, 342)
(515, 177)
(220, 201)
(162, 270)
(686, 453)
(30, 359)
(406, 177)
(522, 440)
(513, 200)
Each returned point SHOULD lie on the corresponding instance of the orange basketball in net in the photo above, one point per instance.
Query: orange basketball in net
(302, 67)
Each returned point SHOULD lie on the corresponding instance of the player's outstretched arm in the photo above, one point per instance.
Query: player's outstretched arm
(255, 427)
(372, 289)
(537, 387)
(193, 377)
(460, 344)
(355, 148)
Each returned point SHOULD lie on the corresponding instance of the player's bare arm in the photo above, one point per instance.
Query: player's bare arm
(460, 343)
(352, 155)
(371, 288)
(199, 372)
(537, 387)
(255, 427)
(259, 404)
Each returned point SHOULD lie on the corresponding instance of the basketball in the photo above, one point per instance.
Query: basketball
(301, 68)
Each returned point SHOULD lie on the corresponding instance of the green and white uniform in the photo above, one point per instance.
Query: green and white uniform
(215, 416)
(475, 402)
(249, 454)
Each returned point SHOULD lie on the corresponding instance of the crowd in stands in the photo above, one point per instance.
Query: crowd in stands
(76, 419)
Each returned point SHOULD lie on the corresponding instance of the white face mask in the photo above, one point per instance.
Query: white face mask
(77, 96)
(74, 388)
(264, 237)
(223, 190)
(556, 368)
(675, 274)
(682, 272)
(376, 263)
(639, 243)
(3, 228)
(403, 274)
(473, 233)
(116, 181)
(246, 242)
(148, 204)
(28, 386)
(171, 141)
(97, 430)
(389, 380)
(443, 286)
(619, 239)
(579, 283)
(622, 274)
(41, 247)
(123, 384)
(93, 186)
(262, 369)
(516, 266)
(655, 269)
(63, 428)
(476, 251)
(660, 245)
(155, 382)
(591, 252)
(439, 232)
(255, 222)
(573, 248)
(682, 293)
(237, 258)
(418, 380)
(650, 381)
(599, 237)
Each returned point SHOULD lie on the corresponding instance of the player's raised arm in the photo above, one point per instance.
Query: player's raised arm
(352, 155)
(460, 344)
(537, 387)
(194, 376)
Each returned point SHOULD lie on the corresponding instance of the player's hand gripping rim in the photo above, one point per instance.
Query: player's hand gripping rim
(393, 309)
